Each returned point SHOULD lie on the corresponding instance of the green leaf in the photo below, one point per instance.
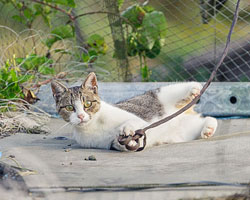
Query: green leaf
(18, 18)
(25, 78)
(45, 12)
(65, 31)
(155, 51)
(38, 8)
(148, 9)
(97, 43)
(63, 51)
(145, 41)
(28, 14)
(154, 25)
(93, 55)
(70, 3)
(46, 70)
(120, 3)
(19, 5)
(59, 33)
(46, 9)
(33, 61)
(95, 40)
(13, 75)
(19, 60)
(85, 57)
(50, 41)
(134, 14)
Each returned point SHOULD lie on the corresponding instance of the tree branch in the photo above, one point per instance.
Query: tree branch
(105, 12)
(56, 8)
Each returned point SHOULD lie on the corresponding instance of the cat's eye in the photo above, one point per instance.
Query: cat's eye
(87, 104)
(69, 108)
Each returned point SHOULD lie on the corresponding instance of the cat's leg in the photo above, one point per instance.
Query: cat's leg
(209, 128)
(179, 94)
(195, 126)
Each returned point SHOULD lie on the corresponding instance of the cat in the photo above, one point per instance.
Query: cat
(98, 124)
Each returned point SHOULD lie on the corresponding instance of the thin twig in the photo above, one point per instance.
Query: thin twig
(107, 12)
(61, 75)
(56, 8)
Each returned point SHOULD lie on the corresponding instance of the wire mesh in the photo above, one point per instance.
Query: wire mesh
(196, 34)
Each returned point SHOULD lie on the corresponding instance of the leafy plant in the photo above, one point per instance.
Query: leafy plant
(147, 36)
(35, 63)
(28, 11)
(16, 74)
(11, 80)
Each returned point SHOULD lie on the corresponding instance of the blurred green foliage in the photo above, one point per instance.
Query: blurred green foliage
(148, 34)
(18, 72)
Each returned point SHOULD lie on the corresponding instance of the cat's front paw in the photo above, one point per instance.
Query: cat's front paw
(126, 137)
(127, 130)
(129, 139)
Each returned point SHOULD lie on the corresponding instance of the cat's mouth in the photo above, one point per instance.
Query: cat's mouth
(82, 123)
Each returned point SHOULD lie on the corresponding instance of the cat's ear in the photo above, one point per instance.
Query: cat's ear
(58, 88)
(91, 83)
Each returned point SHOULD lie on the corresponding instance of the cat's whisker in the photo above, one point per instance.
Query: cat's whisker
(68, 123)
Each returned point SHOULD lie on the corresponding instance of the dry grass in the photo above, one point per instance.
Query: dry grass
(19, 118)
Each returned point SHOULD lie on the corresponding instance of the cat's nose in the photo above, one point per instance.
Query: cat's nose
(80, 116)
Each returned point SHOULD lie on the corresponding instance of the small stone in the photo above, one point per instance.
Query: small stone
(70, 163)
(60, 138)
(91, 158)
(12, 156)
(67, 150)
(44, 138)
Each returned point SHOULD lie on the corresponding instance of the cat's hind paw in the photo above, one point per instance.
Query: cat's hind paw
(207, 132)
(194, 91)
(209, 128)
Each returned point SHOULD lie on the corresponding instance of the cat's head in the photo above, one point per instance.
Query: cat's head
(79, 104)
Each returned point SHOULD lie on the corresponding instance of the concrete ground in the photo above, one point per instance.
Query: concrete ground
(203, 168)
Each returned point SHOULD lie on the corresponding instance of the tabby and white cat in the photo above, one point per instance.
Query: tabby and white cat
(98, 124)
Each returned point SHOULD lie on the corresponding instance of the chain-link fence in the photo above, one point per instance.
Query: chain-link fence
(195, 37)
